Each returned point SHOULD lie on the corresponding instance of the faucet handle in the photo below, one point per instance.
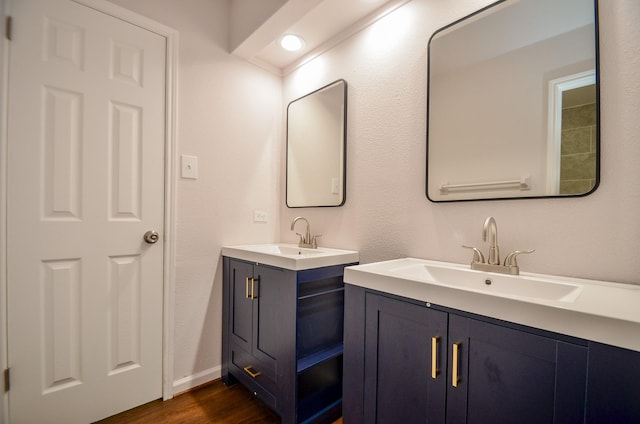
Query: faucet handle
(314, 242)
(478, 257)
(510, 260)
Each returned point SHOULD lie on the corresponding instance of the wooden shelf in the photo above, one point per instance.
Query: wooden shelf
(308, 361)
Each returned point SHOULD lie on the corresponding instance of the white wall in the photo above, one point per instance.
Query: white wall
(387, 215)
(230, 117)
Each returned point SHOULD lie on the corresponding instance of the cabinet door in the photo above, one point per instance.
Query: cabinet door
(614, 385)
(504, 375)
(399, 386)
(274, 314)
(240, 304)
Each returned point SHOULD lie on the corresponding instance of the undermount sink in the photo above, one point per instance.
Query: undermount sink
(290, 256)
(490, 283)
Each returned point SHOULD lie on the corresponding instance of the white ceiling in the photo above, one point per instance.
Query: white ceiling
(256, 26)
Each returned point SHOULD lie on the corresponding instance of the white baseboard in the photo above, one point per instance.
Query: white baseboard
(189, 382)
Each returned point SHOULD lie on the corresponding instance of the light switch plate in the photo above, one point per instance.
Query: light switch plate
(189, 166)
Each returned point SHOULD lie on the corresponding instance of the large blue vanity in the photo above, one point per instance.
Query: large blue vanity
(422, 348)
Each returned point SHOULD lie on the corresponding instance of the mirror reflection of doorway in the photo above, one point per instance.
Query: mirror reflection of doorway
(578, 140)
(573, 138)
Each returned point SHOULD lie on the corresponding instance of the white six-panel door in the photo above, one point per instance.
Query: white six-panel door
(85, 182)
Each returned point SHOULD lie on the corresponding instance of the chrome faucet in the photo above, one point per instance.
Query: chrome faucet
(306, 240)
(510, 266)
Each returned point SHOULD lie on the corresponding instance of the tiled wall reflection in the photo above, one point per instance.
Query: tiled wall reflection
(578, 154)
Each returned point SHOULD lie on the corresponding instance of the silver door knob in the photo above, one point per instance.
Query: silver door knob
(151, 236)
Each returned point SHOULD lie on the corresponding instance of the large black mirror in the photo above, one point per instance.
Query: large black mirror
(316, 147)
(513, 102)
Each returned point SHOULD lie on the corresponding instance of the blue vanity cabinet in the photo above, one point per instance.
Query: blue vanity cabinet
(613, 393)
(435, 365)
(258, 325)
(283, 337)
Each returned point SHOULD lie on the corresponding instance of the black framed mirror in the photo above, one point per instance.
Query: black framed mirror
(513, 103)
(316, 147)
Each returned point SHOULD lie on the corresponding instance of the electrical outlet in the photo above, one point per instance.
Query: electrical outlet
(259, 216)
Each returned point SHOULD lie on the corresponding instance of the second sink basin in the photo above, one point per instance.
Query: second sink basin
(286, 249)
(490, 283)
(290, 256)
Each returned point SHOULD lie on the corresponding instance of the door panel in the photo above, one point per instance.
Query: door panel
(85, 182)
(124, 312)
(61, 324)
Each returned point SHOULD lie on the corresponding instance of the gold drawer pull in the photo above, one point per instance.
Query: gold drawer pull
(250, 294)
(252, 371)
(253, 288)
(455, 379)
(434, 357)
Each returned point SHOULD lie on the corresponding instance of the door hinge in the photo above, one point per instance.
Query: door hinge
(7, 379)
(8, 27)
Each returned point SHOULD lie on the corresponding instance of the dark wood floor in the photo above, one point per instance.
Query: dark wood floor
(213, 403)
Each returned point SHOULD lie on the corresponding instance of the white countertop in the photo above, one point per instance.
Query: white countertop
(603, 311)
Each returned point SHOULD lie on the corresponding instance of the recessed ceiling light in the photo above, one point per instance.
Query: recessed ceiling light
(291, 42)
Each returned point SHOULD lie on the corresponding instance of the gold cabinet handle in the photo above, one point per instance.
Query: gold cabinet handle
(252, 371)
(455, 378)
(250, 294)
(434, 357)
(253, 288)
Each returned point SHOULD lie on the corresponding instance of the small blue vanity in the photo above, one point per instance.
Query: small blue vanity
(434, 342)
(283, 327)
